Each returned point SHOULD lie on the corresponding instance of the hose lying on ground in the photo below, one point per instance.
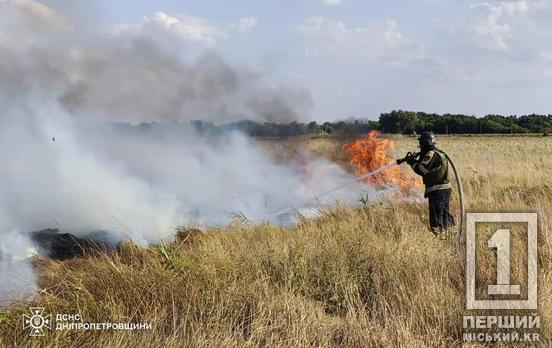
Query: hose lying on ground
(460, 239)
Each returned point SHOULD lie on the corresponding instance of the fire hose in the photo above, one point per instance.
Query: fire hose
(460, 238)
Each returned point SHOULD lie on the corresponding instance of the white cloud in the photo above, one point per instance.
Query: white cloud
(380, 41)
(391, 32)
(244, 25)
(37, 13)
(162, 26)
(181, 27)
(187, 28)
(492, 28)
(332, 2)
(546, 55)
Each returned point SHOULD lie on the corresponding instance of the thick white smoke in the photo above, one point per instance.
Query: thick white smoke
(17, 280)
(82, 179)
(63, 166)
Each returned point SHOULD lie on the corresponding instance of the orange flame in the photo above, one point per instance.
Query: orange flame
(370, 153)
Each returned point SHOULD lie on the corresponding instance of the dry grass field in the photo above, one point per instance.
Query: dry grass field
(367, 277)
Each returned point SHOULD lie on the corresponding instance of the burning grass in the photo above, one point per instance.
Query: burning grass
(370, 277)
(372, 152)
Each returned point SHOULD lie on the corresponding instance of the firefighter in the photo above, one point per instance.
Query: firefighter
(432, 165)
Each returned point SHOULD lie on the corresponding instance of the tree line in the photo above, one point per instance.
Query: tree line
(407, 122)
(396, 122)
(272, 129)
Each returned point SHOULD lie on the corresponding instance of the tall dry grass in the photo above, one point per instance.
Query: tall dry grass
(369, 277)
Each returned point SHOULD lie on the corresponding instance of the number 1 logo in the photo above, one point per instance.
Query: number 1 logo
(501, 241)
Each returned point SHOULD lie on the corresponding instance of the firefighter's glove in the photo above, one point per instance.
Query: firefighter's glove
(411, 160)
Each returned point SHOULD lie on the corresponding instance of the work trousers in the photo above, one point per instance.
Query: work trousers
(439, 213)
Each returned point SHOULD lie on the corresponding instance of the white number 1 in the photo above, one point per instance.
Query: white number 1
(500, 241)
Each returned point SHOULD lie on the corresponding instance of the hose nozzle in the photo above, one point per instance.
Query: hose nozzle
(408, 156)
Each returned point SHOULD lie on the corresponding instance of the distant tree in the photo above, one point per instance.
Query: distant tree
(535, 123)
(399, 121)
(314, 127)
(327, 127)
(396, 121)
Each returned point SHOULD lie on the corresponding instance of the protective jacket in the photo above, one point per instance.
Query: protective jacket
(433, 167)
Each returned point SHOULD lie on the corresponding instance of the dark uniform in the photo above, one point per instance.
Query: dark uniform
(433, 166)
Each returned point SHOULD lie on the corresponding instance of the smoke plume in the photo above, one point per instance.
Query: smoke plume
(64, 166)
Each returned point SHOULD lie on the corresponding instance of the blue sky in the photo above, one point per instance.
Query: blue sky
(360, 58)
